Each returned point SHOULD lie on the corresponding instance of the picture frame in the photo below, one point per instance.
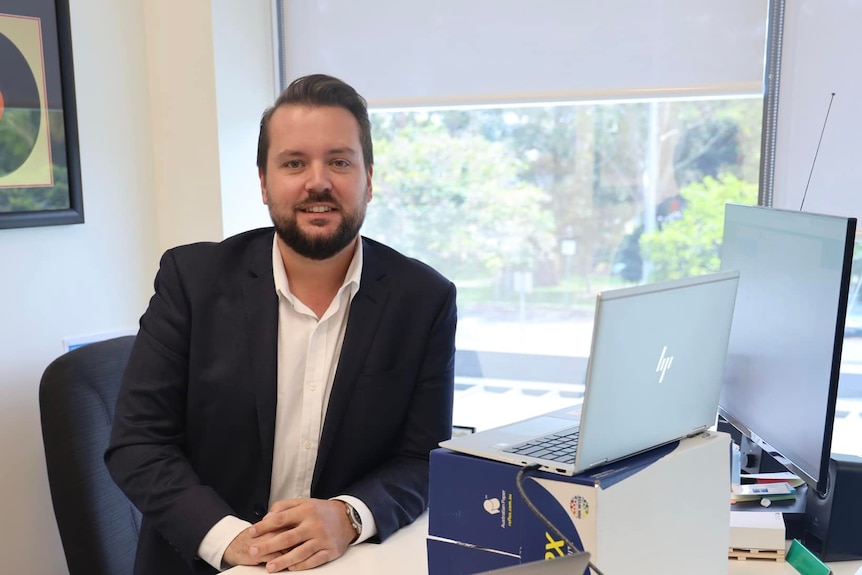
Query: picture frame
(40, 174)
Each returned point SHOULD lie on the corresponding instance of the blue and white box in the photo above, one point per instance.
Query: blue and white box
(663, 511)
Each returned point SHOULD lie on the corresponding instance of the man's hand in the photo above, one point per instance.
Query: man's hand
(237, 553)
(300, 534)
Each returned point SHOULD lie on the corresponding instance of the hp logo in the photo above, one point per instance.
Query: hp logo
(663, 363)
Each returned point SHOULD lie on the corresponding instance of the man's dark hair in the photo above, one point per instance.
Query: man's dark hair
(319, 90)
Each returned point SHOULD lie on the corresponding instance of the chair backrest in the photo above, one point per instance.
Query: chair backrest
(98, 525)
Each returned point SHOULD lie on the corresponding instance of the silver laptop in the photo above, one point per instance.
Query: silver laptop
(575, 564)
(654, 375)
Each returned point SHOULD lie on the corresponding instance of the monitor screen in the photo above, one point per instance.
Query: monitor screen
(784, 355)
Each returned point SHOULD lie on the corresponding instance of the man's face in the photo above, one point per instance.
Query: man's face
(316, 184)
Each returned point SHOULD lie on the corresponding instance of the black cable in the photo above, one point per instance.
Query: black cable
(519, 483)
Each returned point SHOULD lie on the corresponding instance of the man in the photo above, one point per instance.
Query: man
(286, 386)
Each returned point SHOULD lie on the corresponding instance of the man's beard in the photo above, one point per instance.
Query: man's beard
(318, 247)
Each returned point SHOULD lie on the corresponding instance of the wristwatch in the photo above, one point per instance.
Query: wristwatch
(355, 519)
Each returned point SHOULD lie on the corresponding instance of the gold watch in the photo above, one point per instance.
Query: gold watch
(355, 519)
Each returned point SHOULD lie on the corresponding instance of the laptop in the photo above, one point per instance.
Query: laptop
(574, 564)
(654, 376)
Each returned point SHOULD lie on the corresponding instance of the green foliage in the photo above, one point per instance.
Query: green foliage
(717, 137)
(32, 199)
(484, 192)
(690, 245)
(55, 197)
(456, 203)
(18, 132)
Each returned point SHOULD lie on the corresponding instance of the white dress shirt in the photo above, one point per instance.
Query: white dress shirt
(304, 385)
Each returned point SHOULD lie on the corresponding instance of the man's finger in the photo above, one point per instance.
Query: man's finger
(274, 521)
(304, 556)
(285, 504)
(316, 560)
(264, 559)
(280, 542)
(239, 552)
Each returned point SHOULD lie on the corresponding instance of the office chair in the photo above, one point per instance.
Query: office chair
(98, 525)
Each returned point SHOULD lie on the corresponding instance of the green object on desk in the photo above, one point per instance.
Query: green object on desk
(805, 561)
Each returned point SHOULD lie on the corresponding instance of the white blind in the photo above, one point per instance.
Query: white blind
(485, 51)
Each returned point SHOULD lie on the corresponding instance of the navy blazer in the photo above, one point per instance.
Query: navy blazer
(194, 426)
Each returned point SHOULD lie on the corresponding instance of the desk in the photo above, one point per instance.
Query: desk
(405, 554)
(761, 567)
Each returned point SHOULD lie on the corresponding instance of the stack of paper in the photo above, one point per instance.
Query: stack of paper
(762, 491)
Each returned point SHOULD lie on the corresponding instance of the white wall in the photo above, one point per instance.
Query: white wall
(821, 44)
(246, 85)
(149, 136)
(182, 115)
(75, 280)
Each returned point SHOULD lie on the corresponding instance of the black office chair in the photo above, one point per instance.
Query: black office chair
(98, 525)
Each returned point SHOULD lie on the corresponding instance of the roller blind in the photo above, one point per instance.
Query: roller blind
(494, 51)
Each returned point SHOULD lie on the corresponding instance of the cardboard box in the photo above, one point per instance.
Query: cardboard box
(663, 511)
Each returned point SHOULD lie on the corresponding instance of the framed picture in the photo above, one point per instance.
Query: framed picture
(40, 176)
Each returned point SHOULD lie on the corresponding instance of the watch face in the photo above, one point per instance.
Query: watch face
(355, 518)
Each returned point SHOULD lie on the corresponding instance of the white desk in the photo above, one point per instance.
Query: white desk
(405, 554)
(761, 567)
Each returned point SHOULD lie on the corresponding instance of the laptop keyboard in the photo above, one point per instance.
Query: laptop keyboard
(556, 447)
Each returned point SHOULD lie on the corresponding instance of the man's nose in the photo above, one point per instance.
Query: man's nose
(318, 178)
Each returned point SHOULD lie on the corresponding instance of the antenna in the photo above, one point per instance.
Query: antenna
(817, 151)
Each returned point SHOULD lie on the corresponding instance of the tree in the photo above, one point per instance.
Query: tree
(484, 217)
(690, 245)
(588, 174)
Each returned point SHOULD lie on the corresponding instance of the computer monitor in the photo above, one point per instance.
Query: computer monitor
(784, 355)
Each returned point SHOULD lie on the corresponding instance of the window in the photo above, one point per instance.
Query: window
(536, 152)
(532, 209)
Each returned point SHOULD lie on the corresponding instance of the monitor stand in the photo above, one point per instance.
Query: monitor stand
(831, 522)
(754, 460)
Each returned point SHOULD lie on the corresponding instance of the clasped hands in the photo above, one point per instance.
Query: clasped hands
(296, 534)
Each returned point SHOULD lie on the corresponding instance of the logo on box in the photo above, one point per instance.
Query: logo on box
(579, 507)
(492, 505)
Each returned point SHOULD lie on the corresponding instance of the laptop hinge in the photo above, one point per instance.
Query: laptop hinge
(698, 430)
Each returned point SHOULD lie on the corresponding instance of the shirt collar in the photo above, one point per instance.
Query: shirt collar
(351, 278)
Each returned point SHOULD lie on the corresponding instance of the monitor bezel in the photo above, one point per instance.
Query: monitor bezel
(819, 483)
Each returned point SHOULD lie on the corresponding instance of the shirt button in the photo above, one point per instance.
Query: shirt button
(313, 386)
(307, 445)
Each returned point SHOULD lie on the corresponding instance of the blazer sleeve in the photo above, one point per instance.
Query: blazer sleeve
(146, 454)
(396, 491)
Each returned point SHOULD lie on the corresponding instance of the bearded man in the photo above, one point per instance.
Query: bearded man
(287, 384)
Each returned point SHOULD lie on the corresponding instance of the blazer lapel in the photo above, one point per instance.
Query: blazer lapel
(362, 323)
(261, 315)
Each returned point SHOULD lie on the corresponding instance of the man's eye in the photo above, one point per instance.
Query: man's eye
(293, 164)
(340, 163)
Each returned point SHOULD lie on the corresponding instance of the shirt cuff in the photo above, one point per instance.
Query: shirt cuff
(217, 539)
(369, 527)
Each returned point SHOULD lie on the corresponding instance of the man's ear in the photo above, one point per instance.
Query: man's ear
(369, 185)
(262, 178)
